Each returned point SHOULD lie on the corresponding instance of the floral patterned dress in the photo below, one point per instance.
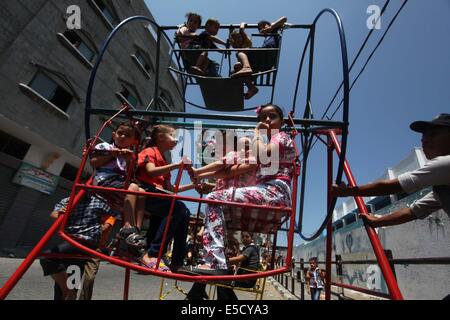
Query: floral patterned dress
(273, 188)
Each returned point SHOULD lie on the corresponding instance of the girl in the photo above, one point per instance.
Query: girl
(227, 169)
(110, 161)
(188, 39)
(239, 39)
(273, 189)
(154, 176)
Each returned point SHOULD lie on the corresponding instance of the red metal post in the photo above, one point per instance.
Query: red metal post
(383, 262)
(126, 286)
(292, 217)
(329, 225)
(169, 216)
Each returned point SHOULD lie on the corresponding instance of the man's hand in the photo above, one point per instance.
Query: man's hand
(371, 220)
(341, 190)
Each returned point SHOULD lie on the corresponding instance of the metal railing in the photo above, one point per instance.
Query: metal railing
(295, 280)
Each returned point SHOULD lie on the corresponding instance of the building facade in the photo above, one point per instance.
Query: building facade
(45, 65)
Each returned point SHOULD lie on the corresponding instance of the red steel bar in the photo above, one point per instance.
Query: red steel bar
(126, 286)
(175, 276)
(186, 198)
(383, 262)
(329, 226)
(23, 267)
(290, 240)
(169, 217)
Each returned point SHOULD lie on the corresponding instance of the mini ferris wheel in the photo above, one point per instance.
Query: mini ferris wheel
(223, 93)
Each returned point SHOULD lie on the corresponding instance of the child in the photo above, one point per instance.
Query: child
(222, 169)
(84, 224)
(154, 176)
(207, 40)
(188, 39)
(93, 264)
(315, 279)
(239, 39)
(110, 162)
(248, 262)
(272, 188)
(265, 27)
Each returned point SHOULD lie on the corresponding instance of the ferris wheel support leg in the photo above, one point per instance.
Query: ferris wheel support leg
(383, 261)
(329, 224)
(126, 286)
(17, 275)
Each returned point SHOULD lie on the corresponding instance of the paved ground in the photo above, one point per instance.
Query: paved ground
(108, 286)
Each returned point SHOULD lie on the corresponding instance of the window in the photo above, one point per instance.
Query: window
(380, 202)
(338, 224)
(69, 172)
(152, 31)
(167, 101)
(132, 100)
(402, 195)
(51, 91)
(81, 45)
(143, 63)
(107, 11)
(13, 146)
(350, 218)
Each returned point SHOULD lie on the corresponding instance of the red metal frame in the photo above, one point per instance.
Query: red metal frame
(82, 188)
(78, 191)
(383, 261)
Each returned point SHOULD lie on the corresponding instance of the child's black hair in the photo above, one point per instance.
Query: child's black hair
(136, 131)
(277, 109)
(263, 22)
(193, 14)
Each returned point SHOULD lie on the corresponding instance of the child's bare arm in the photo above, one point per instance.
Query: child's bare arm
(170, 187)
(234, 170)
(154, 171)
(100, 160)
(212, 167)
(275, 25)
(217, 40)
(102, 157)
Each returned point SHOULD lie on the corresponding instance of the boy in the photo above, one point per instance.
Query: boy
(207, 40)
(315, 279)
(84, 223)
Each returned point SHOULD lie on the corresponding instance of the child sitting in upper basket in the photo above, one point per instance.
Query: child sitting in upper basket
(207, 40)
(239, 39)
(188, 39)
(110, 161)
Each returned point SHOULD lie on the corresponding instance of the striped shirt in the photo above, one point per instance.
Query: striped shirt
(85, 221)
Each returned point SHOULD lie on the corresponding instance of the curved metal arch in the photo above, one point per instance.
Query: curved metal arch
(345, 116)
(99, 60)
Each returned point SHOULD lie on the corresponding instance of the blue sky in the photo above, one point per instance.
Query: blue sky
(406, 80)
